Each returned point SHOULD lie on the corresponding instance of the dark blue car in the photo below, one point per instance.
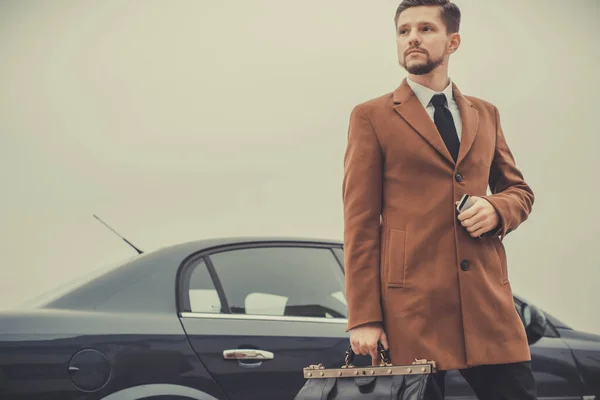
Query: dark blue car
(233, 319)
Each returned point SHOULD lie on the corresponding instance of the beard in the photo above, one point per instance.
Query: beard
(422, 68)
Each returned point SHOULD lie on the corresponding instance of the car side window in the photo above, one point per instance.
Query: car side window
(282, 281)
(339, 253)
(204, 297)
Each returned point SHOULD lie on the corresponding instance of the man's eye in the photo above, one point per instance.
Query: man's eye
(402, 32)
(426, 28)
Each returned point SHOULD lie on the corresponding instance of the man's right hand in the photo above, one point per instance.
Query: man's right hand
(364, 339)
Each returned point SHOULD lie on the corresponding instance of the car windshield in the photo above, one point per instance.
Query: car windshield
(64, 288)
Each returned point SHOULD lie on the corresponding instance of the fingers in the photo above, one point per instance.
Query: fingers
(364, 341)
(479, 232)
(370, 348)
(355, 343)
(375, 360)
(476, 220)
(384, 341)
(366, 345)
(473, 216)
(375, 355)
(479, 204)
(364, 349)
(474, 225)
(360, 346)
(470, 212)
(472, 221)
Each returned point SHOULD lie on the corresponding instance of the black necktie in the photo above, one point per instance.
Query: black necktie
(445, 124)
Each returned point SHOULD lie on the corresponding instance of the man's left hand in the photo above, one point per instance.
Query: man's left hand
(481, 218)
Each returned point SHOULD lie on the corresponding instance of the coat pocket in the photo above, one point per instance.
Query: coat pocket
(396, 258)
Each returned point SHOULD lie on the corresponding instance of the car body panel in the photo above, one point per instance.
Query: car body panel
(294, 344)
(586, 351)
(36, 348)
(134, 315)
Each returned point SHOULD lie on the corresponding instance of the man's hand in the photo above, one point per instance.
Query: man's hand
(481, 218)
(364, 339)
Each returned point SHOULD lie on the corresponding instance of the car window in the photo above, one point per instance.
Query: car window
(204, 297)
(282, 281)
(339, 253)
(549, 330)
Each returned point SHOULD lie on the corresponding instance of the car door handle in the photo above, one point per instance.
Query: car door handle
(247, 354)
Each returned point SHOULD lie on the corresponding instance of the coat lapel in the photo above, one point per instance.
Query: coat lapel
(470, 123)
(407, 104)
(410, 108)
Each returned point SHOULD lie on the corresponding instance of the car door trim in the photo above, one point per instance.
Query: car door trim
(263, 318)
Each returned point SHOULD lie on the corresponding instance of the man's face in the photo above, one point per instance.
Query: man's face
(422, 39)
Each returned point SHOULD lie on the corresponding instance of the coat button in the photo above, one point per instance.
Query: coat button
(464, 265)
(459, 177)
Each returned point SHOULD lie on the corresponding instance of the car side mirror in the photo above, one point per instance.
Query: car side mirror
(535, 323)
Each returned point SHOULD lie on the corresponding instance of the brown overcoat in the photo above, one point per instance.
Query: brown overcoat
(440, 293)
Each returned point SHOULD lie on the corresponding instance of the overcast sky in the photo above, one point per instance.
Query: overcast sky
(182, 120)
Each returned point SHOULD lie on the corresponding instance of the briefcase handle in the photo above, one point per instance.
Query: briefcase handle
(384, 355)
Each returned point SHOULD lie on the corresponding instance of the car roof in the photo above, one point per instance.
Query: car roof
(206, 244)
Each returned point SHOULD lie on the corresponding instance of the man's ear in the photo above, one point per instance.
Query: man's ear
(453, 43)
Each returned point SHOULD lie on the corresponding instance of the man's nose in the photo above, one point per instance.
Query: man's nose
(414, 39)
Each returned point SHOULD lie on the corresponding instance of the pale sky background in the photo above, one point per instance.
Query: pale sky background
(182, 120)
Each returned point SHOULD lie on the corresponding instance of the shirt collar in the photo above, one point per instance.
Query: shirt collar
(424, 94)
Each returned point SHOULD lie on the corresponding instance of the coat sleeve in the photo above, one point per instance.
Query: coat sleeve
(362, 202)
(511, 195)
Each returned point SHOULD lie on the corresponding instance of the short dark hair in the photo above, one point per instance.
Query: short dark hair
(450, 11)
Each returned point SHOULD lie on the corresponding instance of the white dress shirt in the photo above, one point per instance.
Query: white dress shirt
(424, 94)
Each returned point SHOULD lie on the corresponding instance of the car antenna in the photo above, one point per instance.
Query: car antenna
(126, 241)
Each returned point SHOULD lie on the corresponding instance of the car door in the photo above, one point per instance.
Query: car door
(256, 315)
(553, 365)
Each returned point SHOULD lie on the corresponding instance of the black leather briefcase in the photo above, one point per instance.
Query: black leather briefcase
(384, 382)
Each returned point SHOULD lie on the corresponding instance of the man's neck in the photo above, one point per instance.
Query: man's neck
(435, 80)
